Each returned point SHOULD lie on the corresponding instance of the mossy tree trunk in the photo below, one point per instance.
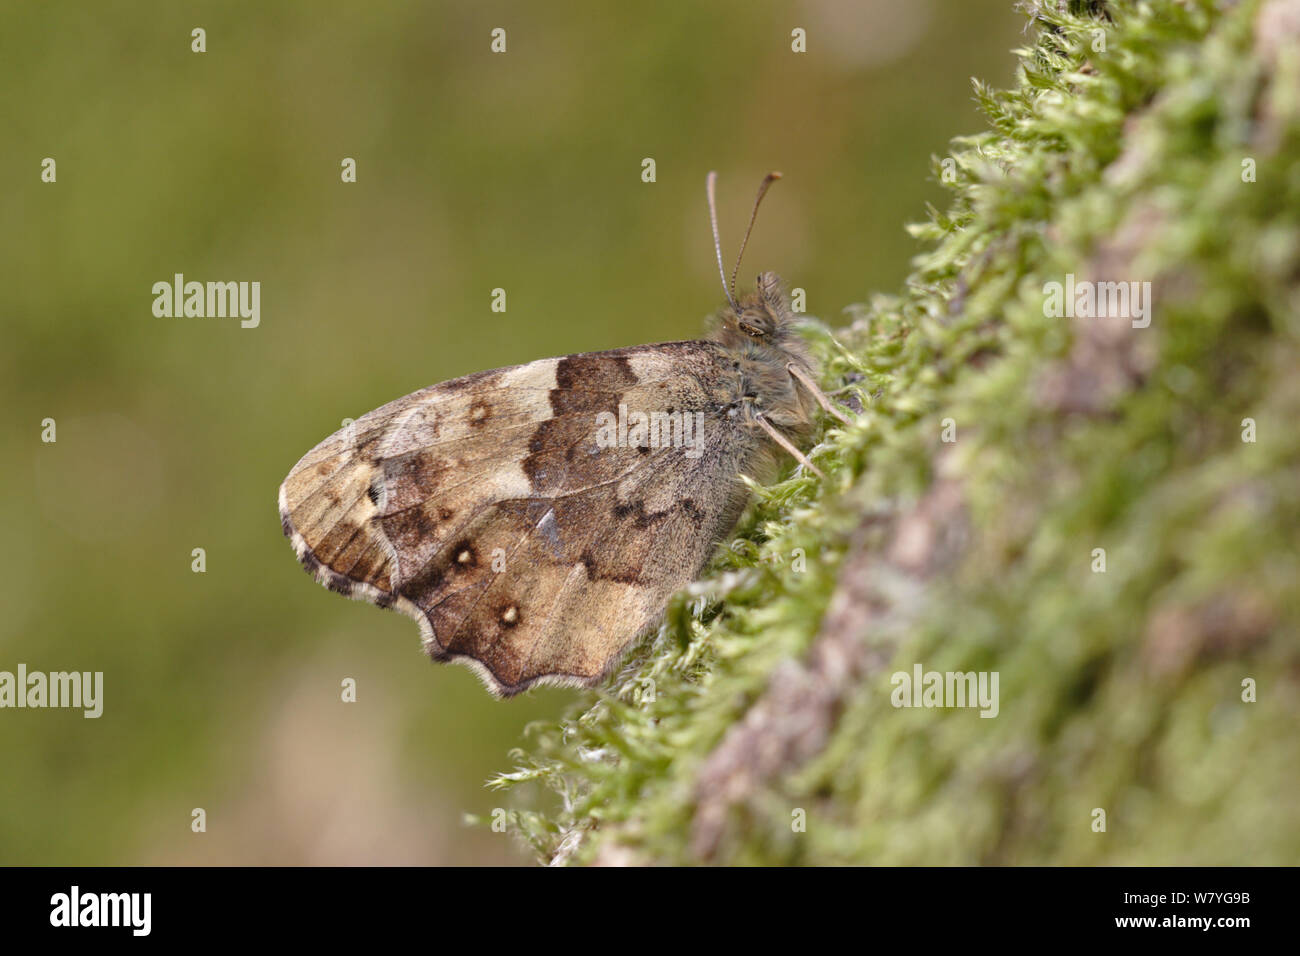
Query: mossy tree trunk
(1003, 457)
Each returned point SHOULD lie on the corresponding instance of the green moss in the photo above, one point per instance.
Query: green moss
(1119, 690)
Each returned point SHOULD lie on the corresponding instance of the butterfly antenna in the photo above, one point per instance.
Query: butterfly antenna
(710, 185)
(768, 180)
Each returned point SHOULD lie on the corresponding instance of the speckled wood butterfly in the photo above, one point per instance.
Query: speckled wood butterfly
(535, 520)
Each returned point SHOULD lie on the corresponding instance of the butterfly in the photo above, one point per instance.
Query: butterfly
(535, 520)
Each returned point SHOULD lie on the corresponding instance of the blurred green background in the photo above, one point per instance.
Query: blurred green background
(475, 171)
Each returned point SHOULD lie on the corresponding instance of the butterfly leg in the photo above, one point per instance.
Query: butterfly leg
(806, 381)
(785, 443)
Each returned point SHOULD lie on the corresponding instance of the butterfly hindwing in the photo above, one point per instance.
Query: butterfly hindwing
(487, 509)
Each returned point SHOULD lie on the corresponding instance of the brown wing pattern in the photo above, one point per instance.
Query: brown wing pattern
(485, 509)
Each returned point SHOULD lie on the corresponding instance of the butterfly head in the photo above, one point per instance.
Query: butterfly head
(762, 320)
